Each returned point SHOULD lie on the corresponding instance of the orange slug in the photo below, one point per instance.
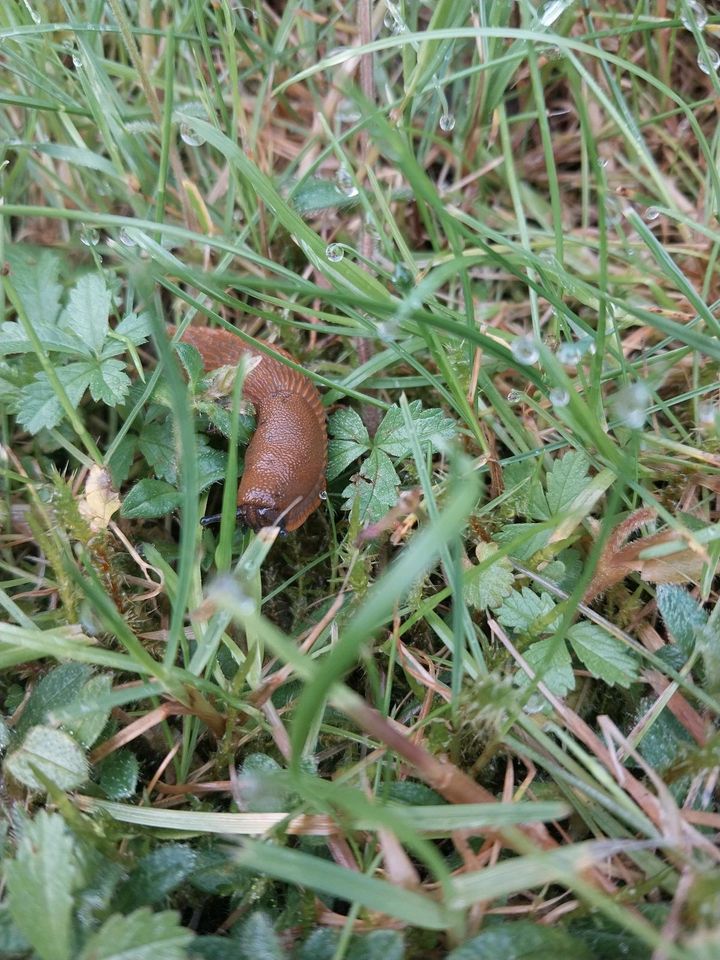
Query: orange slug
(284, 476)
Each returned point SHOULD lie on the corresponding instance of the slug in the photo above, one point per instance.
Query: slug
(284, 476)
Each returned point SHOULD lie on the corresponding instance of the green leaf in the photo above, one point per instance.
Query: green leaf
(122, 459)
(136, 327)
(488, 588)
(108, 382)
(119, 775)
(526, 538)
(526, 612)
(40, 883)
(378, 945)
(156, 875)
(87, 312)
(38, 404)
(141, 935)
(212, 464)
(35, 278)
(550, 660)
(191, 360)
(682, 614)
(604, 656)
(376, 487)
(349, 440)
(157, 445)
(148, 499)
(262, 791)
(79, 719)
(57, 689)
(430, 427)
(521, 940)
(567, 479)
(14, 339)
(12, 942)
(320, 945)
(258, 940)
(54, 754)
(315, 194)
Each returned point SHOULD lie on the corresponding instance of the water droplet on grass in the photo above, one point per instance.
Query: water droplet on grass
(447, 122)
(710, 63)
(334, 252)
(631, 405)
(652, 213)
(190, 136)
(525, 350)
(559, 397)
(569, 354)
(89, 236)
(126, 238)
(694, 15)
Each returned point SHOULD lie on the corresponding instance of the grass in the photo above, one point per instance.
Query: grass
(469, 709)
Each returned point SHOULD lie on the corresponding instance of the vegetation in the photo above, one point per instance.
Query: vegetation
(469, 709)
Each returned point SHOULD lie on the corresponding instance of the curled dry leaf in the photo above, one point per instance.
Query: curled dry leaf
(100, 500)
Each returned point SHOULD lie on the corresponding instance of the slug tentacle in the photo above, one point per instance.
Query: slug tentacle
(285, 461)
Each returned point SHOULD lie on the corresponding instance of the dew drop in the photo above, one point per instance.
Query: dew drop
(631, 405)
(706, 414)
(323, 495)
(551, 11)
(515, 396)
(126, 238)
(587, 345)
(652, 213)
(190, 136)
(345, 183)
(710, 63)
(387, 331)
(89, 236)
(447, 122)
(695, 14)
(389, 21)
(334, 252)
(603, 162)
(569, 354)
(559, 397)
(77, 61)
(525, 350)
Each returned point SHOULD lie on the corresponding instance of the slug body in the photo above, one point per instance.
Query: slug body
(286, 458)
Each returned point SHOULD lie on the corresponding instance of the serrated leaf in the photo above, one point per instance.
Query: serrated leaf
(682, 614)
(136, 327)
(258, 939)
(376, 488)
(51, 752)
(35, 278)
(489, 588)
(13, 339)
(83, 725)
(141, 935)
(212, 464)
(191, 360)
(40, 883)
(148, 499)
(378, 945)
(119, 775)
(57, 689)
(430, 425)
(349, 440)
(156, 875)
(526, 612)
(604, 656)
(521, 940)
(157, 444)
(526, 539)
(550, 660)
(566, 480)
(108, 382)
(38, 404)
(221, 419)
(315, 194)
(86, 314)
